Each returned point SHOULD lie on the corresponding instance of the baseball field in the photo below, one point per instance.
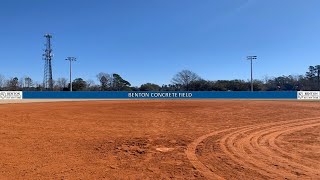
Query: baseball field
(160, 139)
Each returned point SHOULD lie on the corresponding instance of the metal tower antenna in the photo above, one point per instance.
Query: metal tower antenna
(47, 56)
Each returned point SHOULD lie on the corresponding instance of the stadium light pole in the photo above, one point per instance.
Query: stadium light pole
(251, 58)
(71, 59)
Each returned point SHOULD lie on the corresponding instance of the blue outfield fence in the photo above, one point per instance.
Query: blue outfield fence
(160, 95)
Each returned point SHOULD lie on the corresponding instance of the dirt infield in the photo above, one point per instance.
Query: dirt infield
(207, 139)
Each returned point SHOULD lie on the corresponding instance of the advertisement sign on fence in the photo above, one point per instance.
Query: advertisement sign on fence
(10, 95)
(308, 95)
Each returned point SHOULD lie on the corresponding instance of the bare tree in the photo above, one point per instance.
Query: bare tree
(13, 84)
(62, 83)
(2, 81)
(90, 83)
(184, 78)
(28, 82)
(92, 86)
(38, 86)
(21, 82)
(105, 80)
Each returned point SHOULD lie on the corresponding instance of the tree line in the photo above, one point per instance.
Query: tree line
(184, 80)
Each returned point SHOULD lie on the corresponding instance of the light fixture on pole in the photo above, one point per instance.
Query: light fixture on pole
(71, 59)
(251, 58)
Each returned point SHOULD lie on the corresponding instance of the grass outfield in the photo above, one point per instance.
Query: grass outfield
(187, 139)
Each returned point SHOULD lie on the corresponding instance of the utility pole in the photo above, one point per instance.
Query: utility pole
(71, 59)
(251, 58)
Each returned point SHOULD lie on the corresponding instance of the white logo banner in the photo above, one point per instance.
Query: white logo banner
(10, 95)
(308, 95)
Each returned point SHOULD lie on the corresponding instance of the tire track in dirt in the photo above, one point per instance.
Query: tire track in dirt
(270, 140)
(262, 157)
(254, 147)
(191, 154)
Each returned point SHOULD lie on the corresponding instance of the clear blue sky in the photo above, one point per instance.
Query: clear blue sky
(151, 40)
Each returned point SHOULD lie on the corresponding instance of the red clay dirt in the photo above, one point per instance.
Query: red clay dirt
(185, 139)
